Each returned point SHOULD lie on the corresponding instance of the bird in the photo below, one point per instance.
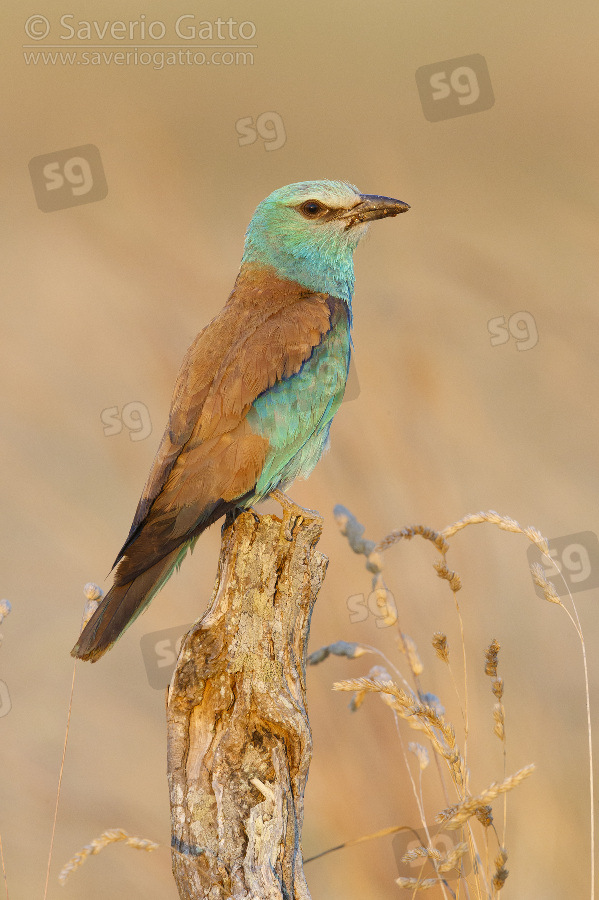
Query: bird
(256, 393)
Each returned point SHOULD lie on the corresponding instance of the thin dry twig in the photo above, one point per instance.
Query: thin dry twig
(367, 837)
(93, 595)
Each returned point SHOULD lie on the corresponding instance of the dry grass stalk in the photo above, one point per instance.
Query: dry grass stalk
(551, 595)
(93, 594)
(5, 609)
(384, 832)
(421, 754)
(349, 524)
(428, 718)
(419, 716)
(435, 537)
(455, 816)
(111, 836)
(503, 522)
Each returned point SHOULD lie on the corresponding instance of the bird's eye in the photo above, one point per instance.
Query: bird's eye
(312, 209)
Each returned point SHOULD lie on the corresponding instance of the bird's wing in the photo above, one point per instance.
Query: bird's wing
(296, 413)
(209, 455)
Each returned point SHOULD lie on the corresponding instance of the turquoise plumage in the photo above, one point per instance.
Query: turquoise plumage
(257, 392)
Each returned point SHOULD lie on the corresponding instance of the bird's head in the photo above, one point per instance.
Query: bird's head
(309, 231)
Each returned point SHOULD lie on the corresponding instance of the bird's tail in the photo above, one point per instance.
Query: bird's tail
(122, 605)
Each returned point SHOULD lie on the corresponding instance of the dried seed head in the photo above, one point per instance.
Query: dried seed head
(411, 651)
(497, 688)
(498, 715)
(357, 700)
(441, 646)
(420, 752)
(537, 538)
(339, 648)
(549, 592)
(484, 814)
(421, 853)
(491, 658)
(452, 859)
(435, 704)
(415, 884)
(454, 816)
(501, 873)
(5, 608)
(93, 595)
(452, 577)
(98, 844)
(91, 591)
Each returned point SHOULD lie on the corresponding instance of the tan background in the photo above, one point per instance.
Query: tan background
(101, 301)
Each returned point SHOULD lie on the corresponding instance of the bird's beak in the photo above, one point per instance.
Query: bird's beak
(371, 207)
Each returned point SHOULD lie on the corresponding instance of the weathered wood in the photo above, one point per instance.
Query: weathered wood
(239, 741)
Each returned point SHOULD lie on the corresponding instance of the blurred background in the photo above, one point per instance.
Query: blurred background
(475, 385)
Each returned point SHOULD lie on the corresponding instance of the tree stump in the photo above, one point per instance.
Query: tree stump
(239, 740)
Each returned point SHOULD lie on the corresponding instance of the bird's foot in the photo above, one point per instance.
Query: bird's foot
(293, 513)
(232, 514)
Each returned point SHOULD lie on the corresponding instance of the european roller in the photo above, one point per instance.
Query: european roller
(256, 393)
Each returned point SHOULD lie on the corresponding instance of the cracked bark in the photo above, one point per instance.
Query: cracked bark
(239, 741)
